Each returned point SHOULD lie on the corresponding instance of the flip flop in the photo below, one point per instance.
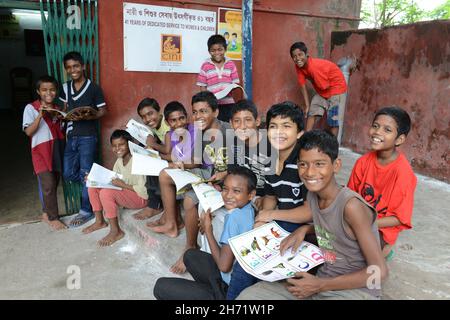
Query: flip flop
(83, 218)
(390, 255)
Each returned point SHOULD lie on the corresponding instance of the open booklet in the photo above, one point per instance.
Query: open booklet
(83, 112)
(224, 92)
(258, 253)
(100, 177)
(138, 131)
(134, 148)
(207, 195)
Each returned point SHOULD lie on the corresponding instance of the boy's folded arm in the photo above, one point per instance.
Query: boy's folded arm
(269, 202)
(386, 222)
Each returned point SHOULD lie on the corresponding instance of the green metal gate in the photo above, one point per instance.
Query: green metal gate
(70, 25)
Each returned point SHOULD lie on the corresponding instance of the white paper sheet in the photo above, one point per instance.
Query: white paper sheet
(100, 177)
(138, 131)
(147, 166)
(208, 196)
(222, 94)
(134, 148)
(182, 178)
(258, 253)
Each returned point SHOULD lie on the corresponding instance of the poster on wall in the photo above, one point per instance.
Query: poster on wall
(165, 39)
(230, 26)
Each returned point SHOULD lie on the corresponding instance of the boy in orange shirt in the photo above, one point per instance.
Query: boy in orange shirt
(384, 176)
(329, 83)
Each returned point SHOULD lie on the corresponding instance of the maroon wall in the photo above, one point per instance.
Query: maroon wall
(277, 24)
(408, 66)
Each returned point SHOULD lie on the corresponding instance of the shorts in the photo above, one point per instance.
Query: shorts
(331, 105)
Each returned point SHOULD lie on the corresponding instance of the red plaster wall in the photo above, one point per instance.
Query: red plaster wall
(274, 77)
(408, 66)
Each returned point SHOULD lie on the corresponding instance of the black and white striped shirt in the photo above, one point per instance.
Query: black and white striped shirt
(287, 187)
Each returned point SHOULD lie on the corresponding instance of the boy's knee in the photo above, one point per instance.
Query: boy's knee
(106, 194)
(189, 255)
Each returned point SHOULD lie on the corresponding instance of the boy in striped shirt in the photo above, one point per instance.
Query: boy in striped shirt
(218, 72)
(285, 194)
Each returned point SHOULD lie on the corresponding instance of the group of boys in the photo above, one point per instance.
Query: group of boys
(282, 175)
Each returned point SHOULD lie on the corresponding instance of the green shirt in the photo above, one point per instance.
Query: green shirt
(163, 129)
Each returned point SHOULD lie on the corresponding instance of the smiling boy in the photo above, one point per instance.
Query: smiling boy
(329, 83)
(384, 177)
(217, 72)
(346, 230)
(81, 146)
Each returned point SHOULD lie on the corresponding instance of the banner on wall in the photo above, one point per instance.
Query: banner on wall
(230, 26)
(165, 39)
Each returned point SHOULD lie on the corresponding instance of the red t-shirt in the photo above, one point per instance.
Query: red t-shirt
(389, 189)
(325, 76)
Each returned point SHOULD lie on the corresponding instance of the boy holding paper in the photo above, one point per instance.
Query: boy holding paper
(133, 194)
(212, 271)
(346, 230)
(150, 113)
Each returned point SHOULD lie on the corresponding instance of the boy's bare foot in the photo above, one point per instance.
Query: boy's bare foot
(168, 230)
(147, 213)
(111, 238)
(54, 224)
(178, 267)
(94, 227)
(155, 223)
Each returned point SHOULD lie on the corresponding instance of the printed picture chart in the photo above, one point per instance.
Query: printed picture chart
(258, 253)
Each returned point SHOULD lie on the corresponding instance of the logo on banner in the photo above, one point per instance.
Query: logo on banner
(171, 48)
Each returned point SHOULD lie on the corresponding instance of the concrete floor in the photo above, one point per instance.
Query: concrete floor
(34, 260)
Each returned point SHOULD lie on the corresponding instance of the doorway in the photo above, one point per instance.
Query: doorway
(22, 61)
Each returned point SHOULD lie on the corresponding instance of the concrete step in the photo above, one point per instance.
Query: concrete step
(164, 249)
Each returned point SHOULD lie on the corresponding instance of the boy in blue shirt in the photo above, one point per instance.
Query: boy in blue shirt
(211, 271)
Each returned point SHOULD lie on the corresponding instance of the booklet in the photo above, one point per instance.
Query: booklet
(100, 177)
(147, 166)
(208, 196)
(183, 178)
(134, 148)
(138, 131)
(76, 112)
(223, 93)
(258, 253)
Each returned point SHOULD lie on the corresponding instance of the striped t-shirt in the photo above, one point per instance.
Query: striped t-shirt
(287, 187)
(215, 79)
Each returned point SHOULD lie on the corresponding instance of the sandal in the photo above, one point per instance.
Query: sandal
(81, 219)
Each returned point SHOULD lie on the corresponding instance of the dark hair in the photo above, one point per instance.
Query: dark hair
(226, 32)
(73, 55)
(205, 96)
(299, 45)
(148, 102)
(234, 34)
(246, 173)
(217, 39)
(322, 140)
(119, 133)
(46, 79)
(400, 116)
(244, 105)
(172, 107)
(286, 109)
